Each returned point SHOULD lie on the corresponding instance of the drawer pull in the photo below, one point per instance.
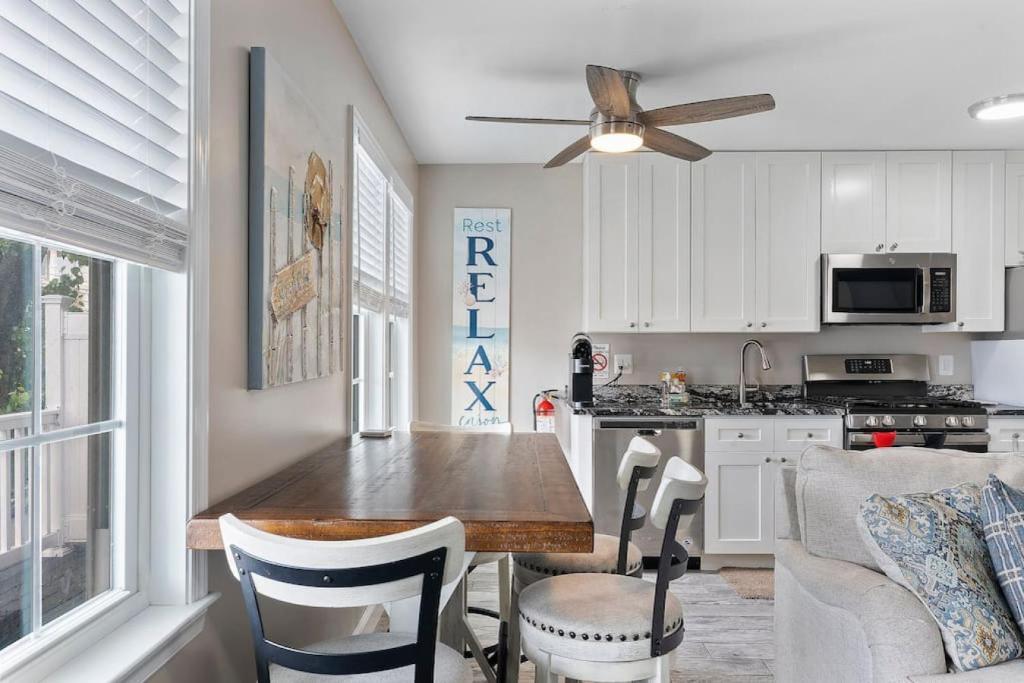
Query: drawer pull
(782, 460)
(739, 435)
(767, 459)
(810, 435)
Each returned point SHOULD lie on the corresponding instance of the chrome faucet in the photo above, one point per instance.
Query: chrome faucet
(765, 365)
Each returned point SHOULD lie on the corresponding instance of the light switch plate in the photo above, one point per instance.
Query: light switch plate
(946, 366)
(624, 362)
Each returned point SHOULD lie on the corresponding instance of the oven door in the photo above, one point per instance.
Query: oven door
(883, 288)
(973, 442)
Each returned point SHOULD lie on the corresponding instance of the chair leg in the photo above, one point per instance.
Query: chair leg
(514, 645)
(664, 670)
(542, 671)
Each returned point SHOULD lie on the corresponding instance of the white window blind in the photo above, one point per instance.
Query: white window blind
(94, 124)
(401, 233)
(371, 229)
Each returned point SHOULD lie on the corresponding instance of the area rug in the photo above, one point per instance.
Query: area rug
(752, 584)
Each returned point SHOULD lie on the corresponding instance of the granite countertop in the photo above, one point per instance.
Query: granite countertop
(707, 400)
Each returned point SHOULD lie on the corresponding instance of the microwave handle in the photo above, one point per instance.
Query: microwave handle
(922, 305)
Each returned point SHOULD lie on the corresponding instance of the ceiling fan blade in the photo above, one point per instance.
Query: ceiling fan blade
(569, 153)
(608, 91)
(708, 110)
(673, 145)
(516, 119)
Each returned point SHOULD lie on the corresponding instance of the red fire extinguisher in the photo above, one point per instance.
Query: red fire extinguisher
(543, 414)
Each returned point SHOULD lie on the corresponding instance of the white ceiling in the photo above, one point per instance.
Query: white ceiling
(856, 74)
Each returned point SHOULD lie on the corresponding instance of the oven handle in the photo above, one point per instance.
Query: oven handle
(953, 439)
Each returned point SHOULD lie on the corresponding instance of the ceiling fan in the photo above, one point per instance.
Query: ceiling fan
(619, 124)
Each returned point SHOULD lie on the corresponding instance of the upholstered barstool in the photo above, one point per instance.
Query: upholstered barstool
(609, 627)
(611, 554)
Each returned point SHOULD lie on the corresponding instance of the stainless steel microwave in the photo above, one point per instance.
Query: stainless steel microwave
(878, 289)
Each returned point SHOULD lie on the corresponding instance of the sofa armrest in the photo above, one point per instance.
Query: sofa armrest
(831, 600)
(787, 524)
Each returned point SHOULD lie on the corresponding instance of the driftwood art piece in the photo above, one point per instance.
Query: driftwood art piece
(295, 233)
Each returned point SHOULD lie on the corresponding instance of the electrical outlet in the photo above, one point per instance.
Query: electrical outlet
(624, 363)
(946, 365)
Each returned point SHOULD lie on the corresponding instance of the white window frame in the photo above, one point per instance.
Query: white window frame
(362, 136)
(129, 634)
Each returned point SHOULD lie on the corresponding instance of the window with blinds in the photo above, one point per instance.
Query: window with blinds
(401, 234)
(370, 235)
(94, 124)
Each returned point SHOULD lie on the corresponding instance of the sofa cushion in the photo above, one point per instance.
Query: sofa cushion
(832, 483)
(934, 545)
(1007, 672)
(1002, 511)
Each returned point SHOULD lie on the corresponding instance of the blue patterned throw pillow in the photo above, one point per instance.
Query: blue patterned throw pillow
(1002, 511)
(933, 544)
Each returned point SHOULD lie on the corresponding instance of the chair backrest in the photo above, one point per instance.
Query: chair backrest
(638, 465)
(345, 574)
(497, 428)
(680, 495)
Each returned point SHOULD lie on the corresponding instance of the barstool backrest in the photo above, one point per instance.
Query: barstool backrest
(345, 574)
(639, 453)
(499, 428)
(679, 481)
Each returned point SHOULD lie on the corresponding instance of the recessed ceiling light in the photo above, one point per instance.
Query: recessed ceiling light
(998, 108)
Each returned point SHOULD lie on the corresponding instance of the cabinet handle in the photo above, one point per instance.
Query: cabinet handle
(749, 324)
(960, 324)
(740, 435)
(893, 246)
(647, 324)
(764, 324)
(880, 247)
(767, 459)
(782, 460)
(632, 324)
(810, 435)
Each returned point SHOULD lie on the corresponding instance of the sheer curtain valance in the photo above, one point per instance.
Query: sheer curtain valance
(94, 125)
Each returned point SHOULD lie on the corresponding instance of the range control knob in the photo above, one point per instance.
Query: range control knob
(952, 421)
(967, 421)
(920, 420)
(888, 420)
(871, 421)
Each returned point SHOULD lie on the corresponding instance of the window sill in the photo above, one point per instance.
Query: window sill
(138, 648)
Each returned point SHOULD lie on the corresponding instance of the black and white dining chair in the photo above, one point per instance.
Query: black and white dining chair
(609, 627)
(611, 554)
(486, 656)
(341, 574)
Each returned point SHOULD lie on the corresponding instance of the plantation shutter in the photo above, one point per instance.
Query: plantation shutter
(401, 234)
(371, 224)
(94, 125)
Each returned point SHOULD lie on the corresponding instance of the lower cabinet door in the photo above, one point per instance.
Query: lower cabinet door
(739, 507)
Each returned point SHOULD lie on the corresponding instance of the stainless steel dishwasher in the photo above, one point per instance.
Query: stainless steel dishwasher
(675, 436)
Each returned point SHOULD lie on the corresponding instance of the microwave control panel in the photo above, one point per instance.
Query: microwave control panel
(941, 290)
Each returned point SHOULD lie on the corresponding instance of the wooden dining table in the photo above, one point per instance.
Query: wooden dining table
(512, 492)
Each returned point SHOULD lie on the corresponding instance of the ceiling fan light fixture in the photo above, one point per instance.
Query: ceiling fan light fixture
(616, 137)
(998, 108)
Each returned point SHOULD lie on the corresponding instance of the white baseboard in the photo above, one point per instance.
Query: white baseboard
(716, 562)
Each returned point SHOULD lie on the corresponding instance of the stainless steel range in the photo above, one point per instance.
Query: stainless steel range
(887, 404)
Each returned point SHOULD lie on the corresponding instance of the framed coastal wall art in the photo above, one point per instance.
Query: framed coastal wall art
(295, 232)
(480, 316)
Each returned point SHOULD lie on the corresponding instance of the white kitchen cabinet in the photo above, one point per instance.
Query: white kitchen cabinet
(1014, 209)
(853, 202)
(722, 259)
(636, 243)
(664, 254)
(918, 188)
(979, 240)
(1007, 434)
(788, 241)
(739, 515)
(611, 206)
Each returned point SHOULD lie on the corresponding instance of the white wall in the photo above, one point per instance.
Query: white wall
(547, 289)
(256, 433)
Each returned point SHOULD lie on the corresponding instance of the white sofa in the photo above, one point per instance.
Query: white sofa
(837, 616)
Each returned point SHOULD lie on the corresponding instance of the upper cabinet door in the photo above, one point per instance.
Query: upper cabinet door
(722, 260)
(1015, 209)
(664, 238)
(611, 210)
(917, 210)
(788, 220)
(979, 240)
(852, 202)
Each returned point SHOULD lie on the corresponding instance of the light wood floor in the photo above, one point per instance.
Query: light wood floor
(728, 639)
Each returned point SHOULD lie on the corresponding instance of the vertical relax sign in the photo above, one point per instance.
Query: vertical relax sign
(480, 316)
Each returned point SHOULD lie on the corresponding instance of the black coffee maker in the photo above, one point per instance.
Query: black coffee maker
(581, 371)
